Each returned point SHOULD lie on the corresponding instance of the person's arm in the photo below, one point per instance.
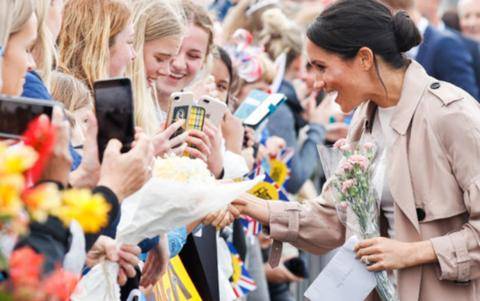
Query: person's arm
(313, 226)
(458, 252)
(113, 217)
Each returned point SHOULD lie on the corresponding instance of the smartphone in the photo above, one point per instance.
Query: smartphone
(17, 112)
(114, 111)
(253, 100)
(214, 109)
(183, 106)
(265, 109)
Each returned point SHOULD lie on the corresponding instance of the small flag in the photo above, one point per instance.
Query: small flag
(241, 280)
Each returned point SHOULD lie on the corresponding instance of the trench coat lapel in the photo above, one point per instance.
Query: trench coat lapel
(399, 178)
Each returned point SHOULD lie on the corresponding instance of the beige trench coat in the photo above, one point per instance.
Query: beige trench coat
(434, 178)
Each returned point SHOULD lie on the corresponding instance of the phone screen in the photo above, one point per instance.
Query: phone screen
(16, 113)
(114, 111)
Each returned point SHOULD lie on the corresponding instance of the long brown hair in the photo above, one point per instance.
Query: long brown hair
(89, 28)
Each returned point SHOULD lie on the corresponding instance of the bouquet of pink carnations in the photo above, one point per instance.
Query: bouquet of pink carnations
(350, 171)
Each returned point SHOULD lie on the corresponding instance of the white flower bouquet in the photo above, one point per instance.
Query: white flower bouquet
(181, 191)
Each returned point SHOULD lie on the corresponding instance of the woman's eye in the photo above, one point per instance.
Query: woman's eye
(194, 56)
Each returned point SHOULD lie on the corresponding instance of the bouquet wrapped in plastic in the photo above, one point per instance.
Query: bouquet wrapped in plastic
(181, 191)
(353, 178)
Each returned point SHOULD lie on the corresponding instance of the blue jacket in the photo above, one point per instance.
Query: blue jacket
(35, 88)
(446, 58)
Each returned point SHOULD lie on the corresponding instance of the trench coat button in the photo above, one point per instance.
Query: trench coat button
(420, 214)
(435, 85)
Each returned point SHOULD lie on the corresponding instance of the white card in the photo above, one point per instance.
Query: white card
(344, 278)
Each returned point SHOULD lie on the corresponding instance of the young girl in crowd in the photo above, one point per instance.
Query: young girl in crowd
(78, 102)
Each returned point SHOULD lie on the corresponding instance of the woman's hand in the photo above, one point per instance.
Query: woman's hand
(126, 173)
(382, 253)
(164, 143)
(207, 146)
(156, 264)
(233, 132)
(106, 248)
(223, 217)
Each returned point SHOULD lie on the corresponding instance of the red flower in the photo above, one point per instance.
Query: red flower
(40, 135)
(60, 284)
(25, 267)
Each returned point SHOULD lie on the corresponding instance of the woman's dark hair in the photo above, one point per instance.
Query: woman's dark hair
(348, 25)
(223, 55)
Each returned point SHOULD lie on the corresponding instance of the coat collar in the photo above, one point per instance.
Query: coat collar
(415, 82)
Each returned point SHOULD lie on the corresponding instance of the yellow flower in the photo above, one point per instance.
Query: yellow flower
(10, 189)
(41, 201)
(90, 211)
(16, 159)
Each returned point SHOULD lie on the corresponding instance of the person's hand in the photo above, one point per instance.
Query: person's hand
(206, 146)
(156, 264)
(280, 274)
(336, 131)
(205, 86)
(222, 218)
(128, 260)
(88, 173)
(60, 161)
(103, 248)
(233, 132)
(322, 113)
(274, 145)
(126, 173)
(215, 159)
(163, 143)
(106, 248)
(382, 253)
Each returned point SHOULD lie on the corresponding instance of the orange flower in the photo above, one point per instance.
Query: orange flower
(25, 267)
(60, 284)
(41, 200)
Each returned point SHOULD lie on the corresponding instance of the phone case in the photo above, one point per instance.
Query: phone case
(214, 109)
(265, 109)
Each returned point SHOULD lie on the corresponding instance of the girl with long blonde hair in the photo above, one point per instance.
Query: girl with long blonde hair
(159, 29)
(91, 32)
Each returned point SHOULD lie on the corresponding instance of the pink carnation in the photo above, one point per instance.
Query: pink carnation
(348, 184)
(346, 166)
(359, 160)
(368, 146)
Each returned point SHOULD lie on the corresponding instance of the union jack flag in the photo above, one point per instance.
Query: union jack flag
(241, 280)
(251, 226)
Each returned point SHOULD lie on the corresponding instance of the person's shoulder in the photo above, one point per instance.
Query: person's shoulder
(34, 87)
(446, 105)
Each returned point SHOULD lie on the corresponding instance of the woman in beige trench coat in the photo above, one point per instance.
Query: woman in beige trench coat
(433, 170)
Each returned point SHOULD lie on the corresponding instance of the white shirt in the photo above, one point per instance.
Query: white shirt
(383, 129)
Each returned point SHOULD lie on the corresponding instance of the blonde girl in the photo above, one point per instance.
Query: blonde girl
(96, 39)
(194, 55)
(77, 100)
(159, 27)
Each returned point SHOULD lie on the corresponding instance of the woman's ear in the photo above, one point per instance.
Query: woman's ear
(366, 58)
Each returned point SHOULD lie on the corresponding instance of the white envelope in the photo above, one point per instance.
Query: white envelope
(344, 278)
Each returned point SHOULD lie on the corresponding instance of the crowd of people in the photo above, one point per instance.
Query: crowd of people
(395, 71)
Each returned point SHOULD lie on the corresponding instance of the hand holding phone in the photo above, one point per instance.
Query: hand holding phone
(17, 112)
